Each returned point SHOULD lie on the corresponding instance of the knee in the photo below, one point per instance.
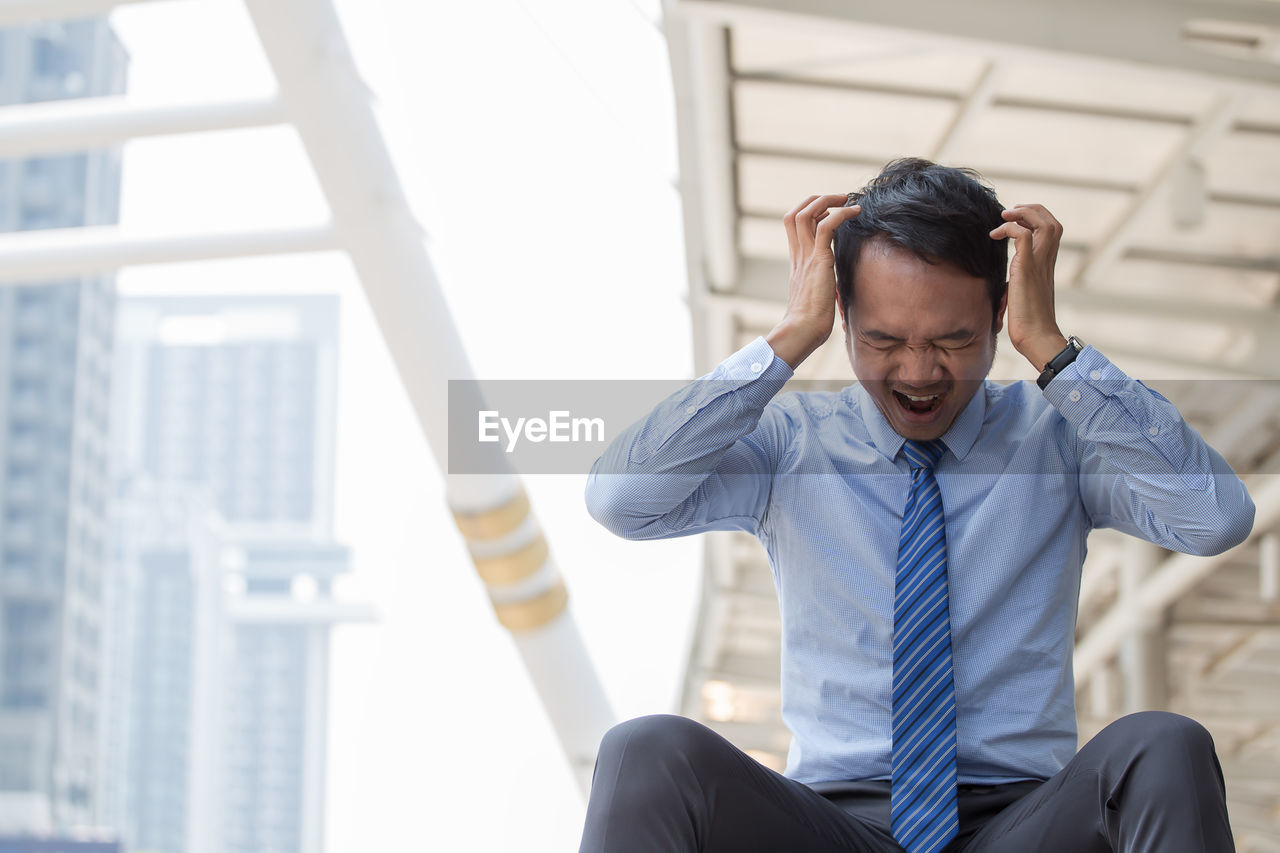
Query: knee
(1169, 751)
(657, 739)
(1163, 730)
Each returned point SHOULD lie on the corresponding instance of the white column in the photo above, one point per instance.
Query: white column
(1142, 653)
(329, 104)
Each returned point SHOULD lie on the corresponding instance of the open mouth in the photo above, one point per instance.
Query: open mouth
(919, 405)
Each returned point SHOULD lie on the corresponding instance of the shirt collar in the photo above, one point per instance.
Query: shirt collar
(959, 439)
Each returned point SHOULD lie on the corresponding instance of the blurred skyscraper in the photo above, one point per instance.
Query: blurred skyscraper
(236, 395)
(55, 368)
(163, 672)
(225, 430)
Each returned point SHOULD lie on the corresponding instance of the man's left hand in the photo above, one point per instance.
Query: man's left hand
(1033, 329)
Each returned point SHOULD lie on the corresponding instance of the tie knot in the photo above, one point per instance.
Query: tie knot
(923, 454)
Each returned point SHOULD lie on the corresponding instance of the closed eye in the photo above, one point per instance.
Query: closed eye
(879, 340)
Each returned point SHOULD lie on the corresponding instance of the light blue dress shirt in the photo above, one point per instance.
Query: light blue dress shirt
(819, 479)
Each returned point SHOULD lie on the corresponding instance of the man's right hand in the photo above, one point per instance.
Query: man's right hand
(811, 296)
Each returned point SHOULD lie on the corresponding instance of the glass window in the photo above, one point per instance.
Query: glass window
(49, 57)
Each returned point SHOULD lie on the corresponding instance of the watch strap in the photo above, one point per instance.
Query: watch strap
(1059, 362)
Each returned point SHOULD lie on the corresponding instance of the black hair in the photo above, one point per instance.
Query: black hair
(941, 213)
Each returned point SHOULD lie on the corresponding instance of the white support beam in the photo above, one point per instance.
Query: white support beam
(1099, 570)
(81, 124)
(1269, 567)
(975, 103)
(1171, 581)
(699, 71)
(765, 313)
(330, 107)
(1101, 690)
(1244, 419)
(715, 171)
(1214, 123)
(717, 324)
(765, 281)
(1142, 651)
(1138, 32)
(17, 12)
(61, 253)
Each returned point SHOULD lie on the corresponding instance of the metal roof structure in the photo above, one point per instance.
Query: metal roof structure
(1152, 131)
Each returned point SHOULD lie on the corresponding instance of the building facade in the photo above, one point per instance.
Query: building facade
(55, 369)
(230, 401)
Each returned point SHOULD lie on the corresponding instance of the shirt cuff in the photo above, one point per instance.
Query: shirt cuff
(753, 375)
(1074, 391)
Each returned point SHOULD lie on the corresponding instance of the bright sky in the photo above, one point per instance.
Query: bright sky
(536, 142)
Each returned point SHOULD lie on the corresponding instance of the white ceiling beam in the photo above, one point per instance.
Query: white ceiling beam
(763, 314)
(761, 277)
(18, 12)
(1260, 319)
(1225, 661)
(974, 104)
(994, 175)
(1246, 417)
(1138, 32)
(1214, 123)
(1045, 102)
(81, 124)
(61, 253)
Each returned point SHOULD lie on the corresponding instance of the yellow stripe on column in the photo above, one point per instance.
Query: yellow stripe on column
(496, 522)
(534, 612)
(502, 569)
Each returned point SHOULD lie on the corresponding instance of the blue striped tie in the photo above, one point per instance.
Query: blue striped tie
(922, 811)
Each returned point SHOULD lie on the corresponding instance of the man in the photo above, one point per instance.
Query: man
(926, 530)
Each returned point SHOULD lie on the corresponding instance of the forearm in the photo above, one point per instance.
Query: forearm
(667, 473)
(793, 341)
(1143, 468)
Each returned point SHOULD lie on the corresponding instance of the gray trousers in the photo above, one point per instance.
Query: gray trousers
(663, 784)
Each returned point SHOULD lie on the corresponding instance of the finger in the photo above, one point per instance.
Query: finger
(1033, 216)
(789, 223)
(1020, 235)
(836, 216)
(808, 218)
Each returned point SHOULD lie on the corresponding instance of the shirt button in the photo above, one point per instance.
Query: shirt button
(1074, 396)
(756, 367)
(691, 410)
(1154, 431)
(1095, 375)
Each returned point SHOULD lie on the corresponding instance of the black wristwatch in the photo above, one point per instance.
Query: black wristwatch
(1059, 362)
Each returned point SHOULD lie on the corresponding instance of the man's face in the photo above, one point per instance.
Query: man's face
(918, 330)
